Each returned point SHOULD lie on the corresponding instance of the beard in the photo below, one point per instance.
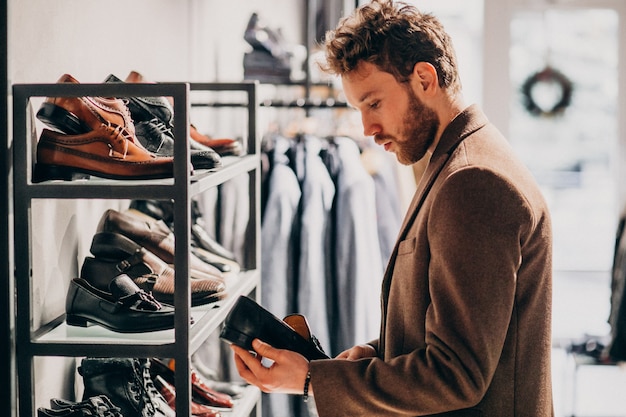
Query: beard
(418, 132)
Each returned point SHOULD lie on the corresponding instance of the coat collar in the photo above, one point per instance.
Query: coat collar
(465, 123)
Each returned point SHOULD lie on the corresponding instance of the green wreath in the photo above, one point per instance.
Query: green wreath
(552, 76)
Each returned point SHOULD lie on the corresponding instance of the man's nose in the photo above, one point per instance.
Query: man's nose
(370, 126)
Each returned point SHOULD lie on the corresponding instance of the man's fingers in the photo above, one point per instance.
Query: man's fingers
(263, 349)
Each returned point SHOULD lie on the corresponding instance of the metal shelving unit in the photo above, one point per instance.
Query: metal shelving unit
(56, 338)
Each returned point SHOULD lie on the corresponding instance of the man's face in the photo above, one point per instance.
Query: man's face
(391, 112)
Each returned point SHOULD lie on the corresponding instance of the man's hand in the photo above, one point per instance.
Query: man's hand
(285, 375)
(358, 352)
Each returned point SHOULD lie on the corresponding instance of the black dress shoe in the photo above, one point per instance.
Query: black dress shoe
(265, 39)
(125, 309)
(99, 405)
(153, 117)
(115, 253)
(143, 109)
(248, 321)
(158, 139)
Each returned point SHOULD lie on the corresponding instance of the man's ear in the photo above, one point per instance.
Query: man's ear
(425, 77)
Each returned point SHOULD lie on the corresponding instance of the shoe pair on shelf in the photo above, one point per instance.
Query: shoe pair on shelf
(105, 137)
(92, 136)
(154, 124)
(145, 387)
(128, 285)
(203, 245)
(127, 383)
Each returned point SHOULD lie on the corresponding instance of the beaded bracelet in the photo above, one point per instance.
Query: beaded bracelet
(307, 381)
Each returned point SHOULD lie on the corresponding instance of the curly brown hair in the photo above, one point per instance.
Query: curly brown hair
(394, 36)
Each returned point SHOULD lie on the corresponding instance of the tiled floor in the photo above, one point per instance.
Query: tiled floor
(581, 307)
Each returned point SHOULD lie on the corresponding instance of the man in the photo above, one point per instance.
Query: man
(466, 297)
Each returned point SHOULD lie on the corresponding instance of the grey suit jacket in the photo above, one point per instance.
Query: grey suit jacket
(466, 297)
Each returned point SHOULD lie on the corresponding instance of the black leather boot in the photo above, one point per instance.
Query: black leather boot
(126, 381)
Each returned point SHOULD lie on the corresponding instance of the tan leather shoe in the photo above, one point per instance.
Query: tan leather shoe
(106, 151)
(223, 146)
(76, 115)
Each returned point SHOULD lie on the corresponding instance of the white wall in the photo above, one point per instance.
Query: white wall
(165, 40)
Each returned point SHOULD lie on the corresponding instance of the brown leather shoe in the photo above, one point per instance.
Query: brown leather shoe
(168, 392)
(115, 253)
(106, 151)
(76, 115)
(223, 146)
(153, 235)
(201, 392)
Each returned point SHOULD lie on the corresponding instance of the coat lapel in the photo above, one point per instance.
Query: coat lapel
(467, 122)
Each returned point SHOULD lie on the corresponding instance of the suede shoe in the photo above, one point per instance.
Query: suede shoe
(125, 309)
(105, 152)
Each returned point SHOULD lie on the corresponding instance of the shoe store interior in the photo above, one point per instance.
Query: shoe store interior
(278, 194)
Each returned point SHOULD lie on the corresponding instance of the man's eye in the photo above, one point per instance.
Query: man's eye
(374, 105)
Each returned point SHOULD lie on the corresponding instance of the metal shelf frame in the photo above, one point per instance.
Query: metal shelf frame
(185, 338)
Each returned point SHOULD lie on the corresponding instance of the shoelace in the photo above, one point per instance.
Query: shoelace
(155, 129)
(157, 126)
(119, 136)
(148, 385)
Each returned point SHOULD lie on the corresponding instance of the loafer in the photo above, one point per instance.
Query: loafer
(125, 308)
(76, 115)
(115, 254)
(201, 392)
(168, 392)
(106, 151)
(247, 321)
(152, 234)
(98, 405)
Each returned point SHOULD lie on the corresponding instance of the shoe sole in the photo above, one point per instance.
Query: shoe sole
(59, 118)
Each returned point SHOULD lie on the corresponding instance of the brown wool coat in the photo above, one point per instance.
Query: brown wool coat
(466, 298)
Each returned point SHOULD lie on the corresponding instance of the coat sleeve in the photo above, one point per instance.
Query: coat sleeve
(475, 228)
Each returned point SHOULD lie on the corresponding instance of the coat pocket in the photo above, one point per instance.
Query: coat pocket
(406, 246)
